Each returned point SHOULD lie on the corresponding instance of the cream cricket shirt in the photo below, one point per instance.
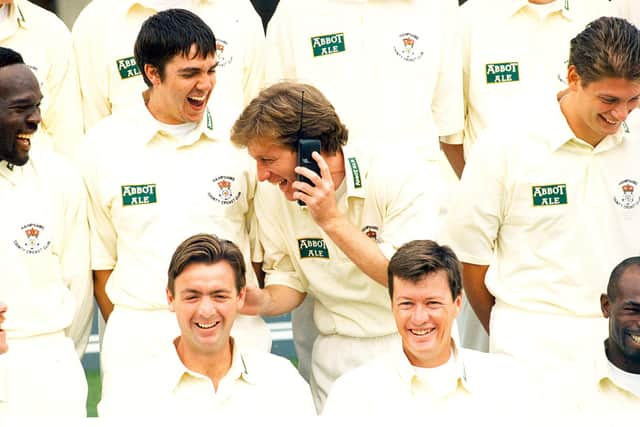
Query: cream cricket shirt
(559, 213)
(628, 9)
(148, 192)
(104, 36)
(44, 248)
(513, 59)
(390, 385)
(612, 394)
(391, 68)
(393, 201)
(44, 42)
(260, 385)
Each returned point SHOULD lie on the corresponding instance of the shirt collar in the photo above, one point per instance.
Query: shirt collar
(147, 126)
(408, 375)
(604, 372)
(511, 7)
(557, 133)
(176, 371)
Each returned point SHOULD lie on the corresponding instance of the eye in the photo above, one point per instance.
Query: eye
(608, 101)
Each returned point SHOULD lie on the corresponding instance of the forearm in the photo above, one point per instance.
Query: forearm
(455, 156)
(100, 278)
(478, 295)
(278, 300)
(361, 250)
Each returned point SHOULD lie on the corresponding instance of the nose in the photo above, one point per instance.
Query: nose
(420, 314)
(263, 172)
(206, 83)
(206, 308)
(620, 112)
(34, 118)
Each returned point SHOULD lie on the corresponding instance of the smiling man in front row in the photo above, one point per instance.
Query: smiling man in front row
(205, 372)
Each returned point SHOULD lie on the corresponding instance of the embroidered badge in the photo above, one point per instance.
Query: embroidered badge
(127, 67)
(371, 231)
(34, 240)
(355, 172)
(223, 53)
(209, 120)
(549, 195)
(626, 195)
(407, 47)
(224, 192)
(503, 72)
(313, 248)
(141, 194)
(327, 44)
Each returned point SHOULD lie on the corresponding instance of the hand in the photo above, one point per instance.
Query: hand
(254, 301)
(321, 199)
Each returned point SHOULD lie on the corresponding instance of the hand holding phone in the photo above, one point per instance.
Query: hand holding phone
(306, 147)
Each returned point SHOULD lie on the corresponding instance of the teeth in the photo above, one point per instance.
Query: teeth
(635, 338)
(26, 136)
(421, 332)
(610, 122)
(198, 98)
(206, 325)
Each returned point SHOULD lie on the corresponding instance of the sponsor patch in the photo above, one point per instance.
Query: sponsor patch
(371, 231)
(313, 248)
(140, 194)
(209, 120)
(626, 194)
(355, 172)
(223, 191)
(549, 195)
(503, 72)
(223, 53)
(408, 47)
(34, 240)
(127, 67)
(327, 44)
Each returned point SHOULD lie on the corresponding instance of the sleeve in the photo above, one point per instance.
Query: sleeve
(474, 220)
(62, 117)
(409, 197)
(254, 57)
(280, 62)
(277, 263)
(103, 236)
(75, 261)
(448, 105)
(92, 72)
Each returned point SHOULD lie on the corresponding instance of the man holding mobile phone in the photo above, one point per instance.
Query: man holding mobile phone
(337, 246)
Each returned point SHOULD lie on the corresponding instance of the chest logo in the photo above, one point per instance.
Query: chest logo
(549, 195)
(327, 44)
(355, 172)
(142, 194)
(33, 240)
(503, 72)
(626, 195)
(223, 192)
(127, 67)
(223, 53)
(313, 248)
(407, 47)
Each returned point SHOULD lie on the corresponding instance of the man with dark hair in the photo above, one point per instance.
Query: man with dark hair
(357, 211)
(44, 256)
(111, 79)
(175, 174)
(548, 207)
(204, 372)
(429, 373)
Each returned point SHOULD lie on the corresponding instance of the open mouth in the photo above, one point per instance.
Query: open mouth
(635, 338)
(422, 332)
(610, 122)
(24, 141)
(197, 101)
(207, 325)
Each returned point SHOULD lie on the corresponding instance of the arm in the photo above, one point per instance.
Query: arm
(272, 301)
(455, 155)
(100, 278)
(321, 202)
(477, 293)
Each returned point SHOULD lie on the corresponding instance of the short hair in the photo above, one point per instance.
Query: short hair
(415, 259)
(616, 274)
(607, 47)
(206, 249)
(9, 57)
(169, 33)
(278, 112)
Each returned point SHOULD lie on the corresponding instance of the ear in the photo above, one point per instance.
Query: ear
(605, 305)
(458, 303)
(241, 296)
(170, 299)
(573, 78)
(152, 73)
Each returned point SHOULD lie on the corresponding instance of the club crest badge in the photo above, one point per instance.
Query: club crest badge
(408, 46)
(223, 54)
(627, 194)
(33, 240)
(223, 191)
(371, 231)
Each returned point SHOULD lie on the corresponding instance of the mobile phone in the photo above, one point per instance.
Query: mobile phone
(305, 148)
